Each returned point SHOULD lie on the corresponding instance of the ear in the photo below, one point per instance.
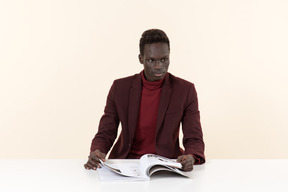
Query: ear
(140, 57)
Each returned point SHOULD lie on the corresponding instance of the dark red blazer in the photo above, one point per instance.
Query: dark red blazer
(178, 104)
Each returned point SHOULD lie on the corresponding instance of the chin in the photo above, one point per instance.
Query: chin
(158, 78)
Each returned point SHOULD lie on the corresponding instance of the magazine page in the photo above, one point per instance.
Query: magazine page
(106, 175)
(157, 168)
(152, 163)
(125, 169)
(149, 160)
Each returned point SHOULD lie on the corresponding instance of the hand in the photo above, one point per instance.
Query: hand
(187, 162)
(93, 159)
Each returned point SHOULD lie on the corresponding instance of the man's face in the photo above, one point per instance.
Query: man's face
(155, 60)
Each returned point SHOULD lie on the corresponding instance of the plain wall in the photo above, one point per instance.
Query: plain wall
(58, 59)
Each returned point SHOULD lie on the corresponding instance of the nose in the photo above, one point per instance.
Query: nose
(158, 64)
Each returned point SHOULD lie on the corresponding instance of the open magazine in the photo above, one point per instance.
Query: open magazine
(148, 164)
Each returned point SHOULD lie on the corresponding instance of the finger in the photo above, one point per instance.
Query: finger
(94, 158)
(93, 162)
(188, 168)
(89, 166)
(100, 155)
(86, 166)
(181, 158)
(103, 156)
(184, 161)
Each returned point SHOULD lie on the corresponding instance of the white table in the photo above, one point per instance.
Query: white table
(216, 175)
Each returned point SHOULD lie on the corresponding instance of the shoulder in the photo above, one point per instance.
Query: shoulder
(126, 81)
(184, 89)
(179, 82)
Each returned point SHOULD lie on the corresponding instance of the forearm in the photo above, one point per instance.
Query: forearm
(192, 130)
(107, 133)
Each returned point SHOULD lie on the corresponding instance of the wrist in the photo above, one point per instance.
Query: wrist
(193, 159)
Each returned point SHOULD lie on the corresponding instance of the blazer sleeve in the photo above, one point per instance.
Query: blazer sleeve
(108, 125)
(191, 126)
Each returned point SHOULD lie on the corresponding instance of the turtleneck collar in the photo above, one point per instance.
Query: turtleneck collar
(151, 85)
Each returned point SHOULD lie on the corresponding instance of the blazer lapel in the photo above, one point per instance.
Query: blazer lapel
(134, 105)
(164, 101)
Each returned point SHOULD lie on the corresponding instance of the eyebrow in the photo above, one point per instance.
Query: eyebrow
(164, 57)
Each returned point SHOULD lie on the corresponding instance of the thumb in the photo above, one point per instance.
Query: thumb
(102, 156)
(180, 158)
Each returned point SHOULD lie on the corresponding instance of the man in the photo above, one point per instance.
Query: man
(150, 107)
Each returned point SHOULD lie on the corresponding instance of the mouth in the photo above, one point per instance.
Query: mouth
(159, 74)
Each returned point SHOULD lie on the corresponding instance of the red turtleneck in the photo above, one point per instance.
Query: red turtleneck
(144, 138)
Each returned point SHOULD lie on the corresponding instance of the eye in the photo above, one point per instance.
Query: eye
(150, 60)
(163, 60)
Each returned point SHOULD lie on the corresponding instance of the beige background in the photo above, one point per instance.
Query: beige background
(58, 59)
